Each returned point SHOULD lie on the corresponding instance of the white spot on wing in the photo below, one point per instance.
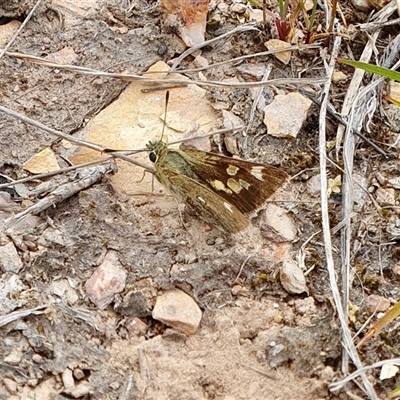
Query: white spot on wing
(234, 185)
(218, 185)
(201, 199)
(232, 170)
(244, 184)
(257, 172)
(228, 207)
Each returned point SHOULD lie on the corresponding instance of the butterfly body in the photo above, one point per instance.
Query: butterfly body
(222, 190)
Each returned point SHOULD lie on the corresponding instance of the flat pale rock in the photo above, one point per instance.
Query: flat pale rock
(313, 186)
(46, 388)
(252, 72)
(11, 385)
(178, 310)
(276, 44)
(68, 379)
(63, 289)
(136, 326)
(388, 371)
(195, 142)
(338, 76)
(42, 162)
(394, 90)
(200, 62)
(276, 225)
(53, 235)
(284, 117)
(231, 120)
(80, 390)
(394, 182)
(136, 118)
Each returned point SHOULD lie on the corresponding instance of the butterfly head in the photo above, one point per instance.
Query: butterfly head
(155, 148)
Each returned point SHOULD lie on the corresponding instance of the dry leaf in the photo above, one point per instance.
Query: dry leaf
(334, 185)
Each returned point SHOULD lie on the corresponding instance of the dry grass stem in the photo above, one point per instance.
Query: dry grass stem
(133, 77)
(356, 117)
(52, 173)
(340, 308)
(52, 131)
(238, 29)
(339, 384)
(246, 57)
(257, 98)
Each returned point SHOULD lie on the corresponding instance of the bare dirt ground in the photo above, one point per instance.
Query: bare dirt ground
(256, 340)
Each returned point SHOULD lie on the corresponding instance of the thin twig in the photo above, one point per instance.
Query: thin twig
(238, 29)
(133, 77)
(355, 117)
(15, 315)
(72, 139)
(259, 371)
(237, 60)
(86, 178)
(241, 268)
(301, 254)
(338, 385)
(374, 26)
(257, 98)
(57, 172)
(347, 201)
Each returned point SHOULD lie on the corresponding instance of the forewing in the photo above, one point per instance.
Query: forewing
(243, 184)
(211, 207)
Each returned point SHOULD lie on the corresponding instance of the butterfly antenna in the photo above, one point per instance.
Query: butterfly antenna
(165, 113)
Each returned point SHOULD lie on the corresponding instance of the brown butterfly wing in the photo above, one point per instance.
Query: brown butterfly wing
(243, 184)
(211, 207)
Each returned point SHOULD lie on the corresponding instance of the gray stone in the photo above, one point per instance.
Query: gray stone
(9, 258)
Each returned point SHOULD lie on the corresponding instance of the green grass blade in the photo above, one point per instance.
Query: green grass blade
(373, 69)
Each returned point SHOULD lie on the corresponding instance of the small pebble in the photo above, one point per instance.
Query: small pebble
(178, 310)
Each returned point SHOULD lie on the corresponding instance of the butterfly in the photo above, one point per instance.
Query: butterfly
(224, 191)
